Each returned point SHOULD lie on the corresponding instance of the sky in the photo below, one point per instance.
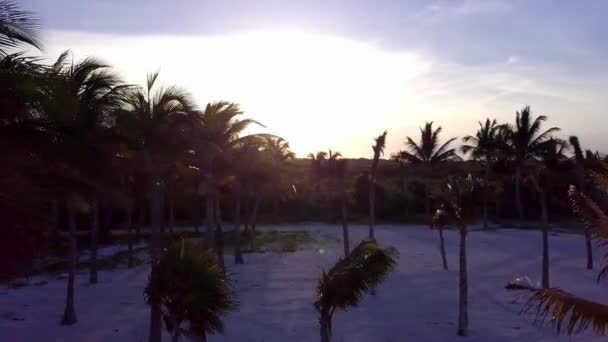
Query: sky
(334, 74)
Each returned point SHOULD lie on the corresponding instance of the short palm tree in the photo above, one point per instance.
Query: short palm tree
(192, 290)
(428, 152)
(457, 208)
(486, 146)
(342, 287)
(581, 167)
(18, 28)
(378, 148)
(567, 311)
(524, 139)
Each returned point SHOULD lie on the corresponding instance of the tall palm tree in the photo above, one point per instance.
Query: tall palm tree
(192, 289)
(18, 28)
(149, 120)
(342, 287)
(567, 311)
(457, 208)
(218, 131)
(281, 156)
(486, 145)
(428, 152)
(341, 170)
(551, 154)
(581, 166)
(524, 139)
(378, 148)
(76, 101)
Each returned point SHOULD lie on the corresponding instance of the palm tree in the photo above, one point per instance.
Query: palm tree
(18, 28)
(149, 119)
(342, 287)
(551, 154)
(378, 148)
(192, 290)
(76, 102)
(429, 153)
(485, 146)
(524, 139)
(457, 208)
(222, 129)
(341, 170)
(281, 155)
(580, 163)
(567, 311)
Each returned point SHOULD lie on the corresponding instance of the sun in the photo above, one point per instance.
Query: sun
(318, 91)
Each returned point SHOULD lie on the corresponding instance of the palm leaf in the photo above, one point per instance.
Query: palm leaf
(565, 311)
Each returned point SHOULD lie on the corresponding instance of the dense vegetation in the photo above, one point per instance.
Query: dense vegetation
(83, 152)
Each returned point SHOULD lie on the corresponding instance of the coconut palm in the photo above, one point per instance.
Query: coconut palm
(551, 154)
(18, 28)
(581, 166)
(192, 290)
(221, 127)
(341, 169)
(486, 146)
(148, 120)
(457, 208)
(342, 287)
(378, 148)
(524, 139)
(428, 152)
(76, 102)
(567, 311)
(281, 156)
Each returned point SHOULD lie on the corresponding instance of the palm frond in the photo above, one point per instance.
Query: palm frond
(565, 310)
(344, 284)
(17, 27)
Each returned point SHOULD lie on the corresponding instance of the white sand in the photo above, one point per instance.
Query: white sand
(419, 302)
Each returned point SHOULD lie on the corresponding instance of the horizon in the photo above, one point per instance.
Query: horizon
(334, 76)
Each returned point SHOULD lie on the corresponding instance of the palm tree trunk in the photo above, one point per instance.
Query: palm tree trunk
(486, 194)
(372, 208)
(69, 314)
(140, 221)
(219, 235)
(427, 200)
(130, 262)
(196, 213)
(345, 234)
(171, 215)
(589, 250)
(252, 222)
(238, 256)
(108, 214)
(201, 338)
(275, 211)
(55, 222)
(545, 228)
(325, 327)
(94, 232)
(442, 250)
(209, 209)
(155, 334)
(175, 337)
(463, 313)
(518, 203)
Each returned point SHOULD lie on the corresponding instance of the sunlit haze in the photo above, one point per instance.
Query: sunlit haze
(333, 87)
